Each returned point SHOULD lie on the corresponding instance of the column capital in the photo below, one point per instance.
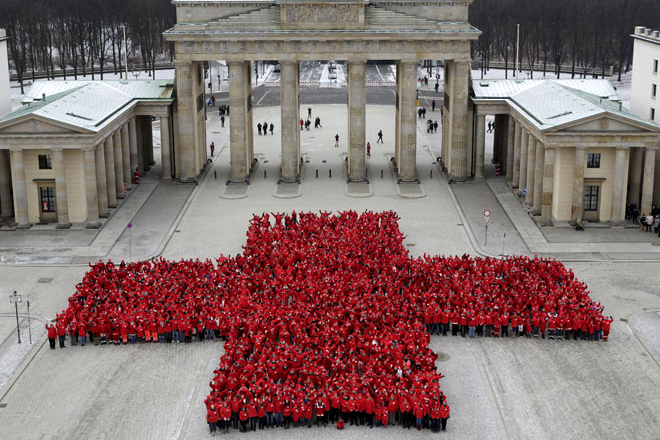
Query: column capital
(57, 149)
(581, 147)
(415, 62)
(654, 147)
(621, 147)
(182, 63)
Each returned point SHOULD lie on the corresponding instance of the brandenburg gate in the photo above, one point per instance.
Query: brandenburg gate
(403, 31)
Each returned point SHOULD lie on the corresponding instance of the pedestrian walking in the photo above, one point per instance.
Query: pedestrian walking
(368, 149)
(433, 105)
(302, 123)
(437, 86)
(380, 137)
(272, 127)
(309, 112)
(265, 127)
(435, 126)
(212, 101)
(212, 148)
(222, 121)
(259, 128)
(337, 140)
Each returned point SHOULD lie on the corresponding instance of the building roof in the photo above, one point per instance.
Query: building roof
(645, 34)
(376, 19)
(550, 104)
(87, 105)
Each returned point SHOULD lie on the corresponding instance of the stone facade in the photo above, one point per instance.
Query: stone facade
(573, 170)
(645, 100)
(58, 168)
(293, 30)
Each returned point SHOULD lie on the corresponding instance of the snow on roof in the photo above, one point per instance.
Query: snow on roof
(89, 105)
(552, 103)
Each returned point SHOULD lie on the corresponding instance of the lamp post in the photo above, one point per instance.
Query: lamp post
(130, 242)
(125, 52)
(15, 298)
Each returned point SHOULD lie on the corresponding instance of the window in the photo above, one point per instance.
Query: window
(45, 162)
(593, 160)
(655, 66)
(652, 114)
(591, 197)
(654, 90)
(47, 199)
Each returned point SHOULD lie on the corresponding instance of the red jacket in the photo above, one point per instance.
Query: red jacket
(212, 415)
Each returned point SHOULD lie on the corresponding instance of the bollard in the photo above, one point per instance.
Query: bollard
(215, 174)
(330, 174)
(317, 174)
(381, 173)
(431, 174)
(264, 174)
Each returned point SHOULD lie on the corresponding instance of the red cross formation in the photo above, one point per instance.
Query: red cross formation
(319, 305)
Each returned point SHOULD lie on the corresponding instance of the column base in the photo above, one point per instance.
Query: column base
(616, 224)
(95, 225)
(66, 225)
(111, 206)
(24, 226)
(121, 196)
(166, 178)
(104, 214)
(479, 177)
(295, 179)
(152, 163)
(458, 179)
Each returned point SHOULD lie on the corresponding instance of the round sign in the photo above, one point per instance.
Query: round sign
(129, 226)
(487, 213)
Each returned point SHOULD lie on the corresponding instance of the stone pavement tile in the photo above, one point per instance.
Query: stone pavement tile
(105, 392)
(575, 390)
(474, 197)
(647, 324)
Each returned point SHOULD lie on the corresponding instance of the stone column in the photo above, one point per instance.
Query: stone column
(61, 196)
(90, 189)
(481, 146)
(511, 131)
(618, 213)
(126, 156)
(109, 151)
(186, 118)
(548, 185)
(119, 164)
(538, 179)
(408, 121)
(20, 190)
(515, 176)
(635, 176)
(101, 182)
(522, 177)
(133, 147)
(238, 104)
(290, 124)
(647, 184)
(357, 100)
(6, 204)
(531, 170)
(577, 208)
(165, 149)
(458, 101)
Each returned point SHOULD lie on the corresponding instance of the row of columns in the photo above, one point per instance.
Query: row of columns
(531, 166)
(241, 138)
(108, 170)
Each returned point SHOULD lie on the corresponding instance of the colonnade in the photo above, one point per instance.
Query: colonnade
(191, 120)
(108, 172)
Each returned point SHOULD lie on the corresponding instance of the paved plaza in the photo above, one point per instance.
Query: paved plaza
(497, 388)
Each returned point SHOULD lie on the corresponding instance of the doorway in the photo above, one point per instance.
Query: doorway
(47, 206)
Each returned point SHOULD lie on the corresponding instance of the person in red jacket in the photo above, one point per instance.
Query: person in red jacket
(243, 417)
(435, 416)
(340, 423)
(607, 322)
(253, 415)
(82, 334)
(52, 335)
(61, 333)
(225, 416)
(212, 418)
(444, 415)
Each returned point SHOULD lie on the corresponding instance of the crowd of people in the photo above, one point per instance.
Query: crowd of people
(326, 318)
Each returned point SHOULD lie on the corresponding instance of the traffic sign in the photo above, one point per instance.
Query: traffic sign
(129, 226)
(487, 213)
(15, 298)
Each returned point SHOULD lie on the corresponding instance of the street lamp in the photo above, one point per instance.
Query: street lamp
(15, 298)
